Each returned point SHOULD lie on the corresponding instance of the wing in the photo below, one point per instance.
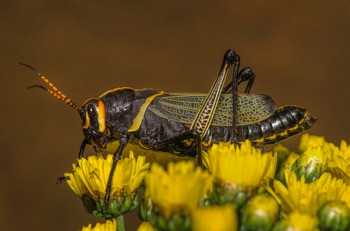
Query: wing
(182, 107)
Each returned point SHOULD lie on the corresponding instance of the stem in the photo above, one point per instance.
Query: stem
(120, 223)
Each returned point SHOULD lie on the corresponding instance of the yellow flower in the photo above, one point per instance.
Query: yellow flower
(345, 150)
(214, 218)
(181, 187)
(287, 164)
(272, 167)
(145, 226)
(89, 181)
(300, 196)
(76, 183)
(297, 221)
(308, 140)
(339, 166)
(92, 174)
(174, 194)
(245, 166)
(238, 172)
(110, 225)
(321, 153)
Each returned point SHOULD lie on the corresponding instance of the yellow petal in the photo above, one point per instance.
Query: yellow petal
(214, 218)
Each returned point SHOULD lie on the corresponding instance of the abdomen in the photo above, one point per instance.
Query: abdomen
(285, 122)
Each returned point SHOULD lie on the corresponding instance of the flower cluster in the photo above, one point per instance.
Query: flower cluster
(314, 183)
(238, 188)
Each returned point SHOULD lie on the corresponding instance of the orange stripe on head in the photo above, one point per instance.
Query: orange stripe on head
(101, 116)
(86, 121)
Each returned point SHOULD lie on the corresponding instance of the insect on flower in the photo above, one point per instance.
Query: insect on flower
(183, 123)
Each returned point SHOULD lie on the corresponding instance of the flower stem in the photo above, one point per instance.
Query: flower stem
(120, 223)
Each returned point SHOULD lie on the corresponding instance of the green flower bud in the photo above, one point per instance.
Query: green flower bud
(283, 225)
(311, 164)
(115, 207)
(161, 223)
(287, 164)
(260, 213)
(122, 205)
(179, 220)
(145, 210)
(334, 215)
(224, 193)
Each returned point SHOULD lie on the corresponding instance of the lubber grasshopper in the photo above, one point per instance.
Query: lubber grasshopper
(182, 123)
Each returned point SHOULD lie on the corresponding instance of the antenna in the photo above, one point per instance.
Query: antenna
(54, 92)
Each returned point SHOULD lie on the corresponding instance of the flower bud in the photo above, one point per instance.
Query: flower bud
(334, 215)
(116, 206)
(311, 164)
(179, 220)
(145, 209)
(223, 193)
(287, 164)
(260, 213)
(124, 204)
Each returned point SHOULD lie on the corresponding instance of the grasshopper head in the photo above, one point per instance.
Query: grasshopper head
(93, 115)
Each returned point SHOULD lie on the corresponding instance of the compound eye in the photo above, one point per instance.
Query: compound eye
(91, 110)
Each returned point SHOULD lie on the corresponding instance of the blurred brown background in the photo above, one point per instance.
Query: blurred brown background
(298, 49)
